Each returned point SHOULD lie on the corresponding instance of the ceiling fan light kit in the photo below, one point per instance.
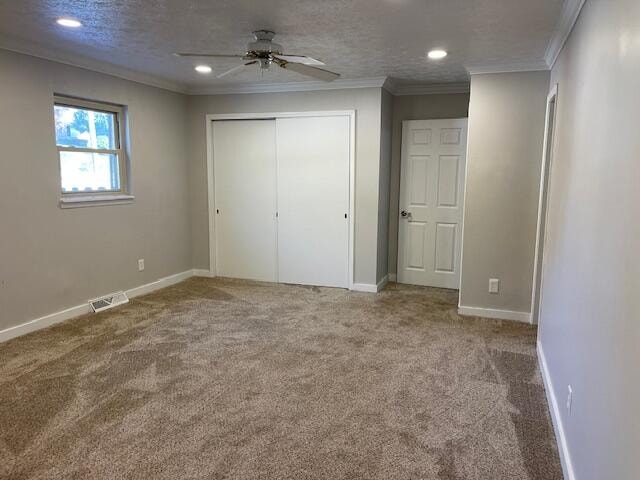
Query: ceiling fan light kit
(264, 52)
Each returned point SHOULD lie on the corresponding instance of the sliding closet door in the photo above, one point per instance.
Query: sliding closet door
(313, 200)
(245, 199)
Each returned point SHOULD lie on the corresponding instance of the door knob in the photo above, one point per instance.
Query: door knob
(404, 214)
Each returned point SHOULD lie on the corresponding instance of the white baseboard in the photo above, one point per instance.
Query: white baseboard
(201, 272)
(69, 313)
(158, 284)
(364, 287)
(493, 313)
(561, 439)
(369, 287)
(393, 277)
(44, 322)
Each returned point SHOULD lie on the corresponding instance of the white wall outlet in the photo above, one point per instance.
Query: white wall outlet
(141, 265)
(569, 398)
(494, 285)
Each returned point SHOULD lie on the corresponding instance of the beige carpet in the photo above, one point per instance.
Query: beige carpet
(226, 379)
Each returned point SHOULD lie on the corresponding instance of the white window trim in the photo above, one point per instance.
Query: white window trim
(95, 198)
(77, 201)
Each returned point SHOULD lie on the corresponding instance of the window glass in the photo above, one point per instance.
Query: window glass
(89, 172)
(83, 128)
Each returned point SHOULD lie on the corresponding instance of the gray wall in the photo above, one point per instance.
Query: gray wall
(414, 107)
(366, 102)
(386, 122)
(506, 125)
(52, 259)
(589, 326)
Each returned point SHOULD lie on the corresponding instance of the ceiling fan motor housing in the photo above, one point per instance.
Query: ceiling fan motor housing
(264, 43)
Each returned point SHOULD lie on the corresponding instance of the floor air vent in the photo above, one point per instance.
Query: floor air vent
(108, 301)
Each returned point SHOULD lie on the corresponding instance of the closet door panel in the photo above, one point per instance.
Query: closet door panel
(313, 200)
(245, 199)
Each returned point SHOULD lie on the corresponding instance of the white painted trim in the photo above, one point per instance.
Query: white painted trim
(369, 287)
(393, 277)
(464, 203)
(43, 322)
(556, 418)
(69, 313)
(339, 84)
(158, 284)
(352, 198)
(425, 89)
(209, 119)
(202, 272)
(508, 68)
(494, 313)
(570, 12)
(79, 61)
(272, 115)
(95, 200)
(542, 196)
(364, 287)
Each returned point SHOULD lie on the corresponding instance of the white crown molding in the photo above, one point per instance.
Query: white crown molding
(569, 15)
(570, 11)
(38, 51)
(426, 88)
(508, 68)
(79, 61)
(338, 84)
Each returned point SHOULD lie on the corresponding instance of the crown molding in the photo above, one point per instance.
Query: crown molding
(570, 12)
(39, 51)
(339, 84)
(568, 17)
(508, 68)
(425, 88)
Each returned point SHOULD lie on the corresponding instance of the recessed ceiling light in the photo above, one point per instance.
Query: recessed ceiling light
(69, 22)
(203, 69)
(437, 54)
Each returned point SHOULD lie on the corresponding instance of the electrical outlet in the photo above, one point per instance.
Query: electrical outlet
(494, 285)
(141, 265)
(569, 398)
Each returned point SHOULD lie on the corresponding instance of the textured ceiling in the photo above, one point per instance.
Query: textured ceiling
(357, 38)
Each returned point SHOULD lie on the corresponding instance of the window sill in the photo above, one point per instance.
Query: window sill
(95, 200)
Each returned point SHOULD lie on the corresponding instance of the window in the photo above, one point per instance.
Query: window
(92, 159)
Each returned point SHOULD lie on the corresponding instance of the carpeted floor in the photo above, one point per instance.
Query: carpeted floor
(227, 379)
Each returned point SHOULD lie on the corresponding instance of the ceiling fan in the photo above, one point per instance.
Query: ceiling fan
(264, 52)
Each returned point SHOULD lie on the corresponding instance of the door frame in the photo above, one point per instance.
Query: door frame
(543, 200)
(464, 192)
(211, 117)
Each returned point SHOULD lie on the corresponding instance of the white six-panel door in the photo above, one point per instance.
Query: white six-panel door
(431, 196)
(245, 199)
(313, 200)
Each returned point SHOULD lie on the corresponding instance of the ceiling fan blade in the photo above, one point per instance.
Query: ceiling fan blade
(314, 72)
(235, 69)
(215, 55)
(299, 59)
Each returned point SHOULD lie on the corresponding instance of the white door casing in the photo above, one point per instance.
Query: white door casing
(543, 202)
(245, 199)
(431, 196)
(313, 200)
